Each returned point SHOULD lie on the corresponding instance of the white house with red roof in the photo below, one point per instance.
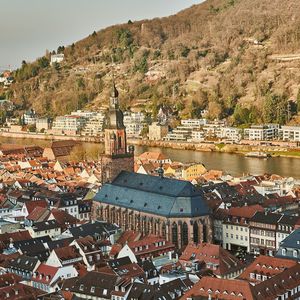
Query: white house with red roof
(46, 277)
(149, 247)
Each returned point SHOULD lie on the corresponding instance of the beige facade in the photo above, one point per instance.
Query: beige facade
(157, 132)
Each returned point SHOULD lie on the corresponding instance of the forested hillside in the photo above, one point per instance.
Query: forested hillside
(239, 59)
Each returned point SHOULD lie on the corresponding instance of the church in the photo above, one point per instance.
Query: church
(173, 209)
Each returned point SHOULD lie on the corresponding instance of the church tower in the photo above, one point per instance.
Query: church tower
(117, 156)
(115, 132)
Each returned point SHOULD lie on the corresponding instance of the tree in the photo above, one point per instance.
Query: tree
(298, 101)
(43, 62)
(185, 51)
(60, 49)
(125, 37)
(274, 108)
(32, 128)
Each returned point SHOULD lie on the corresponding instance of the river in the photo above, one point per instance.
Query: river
(233, 164)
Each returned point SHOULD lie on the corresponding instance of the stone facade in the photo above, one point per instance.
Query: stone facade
(112, 165)
(117, 157)
(179, 231)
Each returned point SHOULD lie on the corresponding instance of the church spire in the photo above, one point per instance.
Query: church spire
(115, 117)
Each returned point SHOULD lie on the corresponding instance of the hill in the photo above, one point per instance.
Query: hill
(237, 58)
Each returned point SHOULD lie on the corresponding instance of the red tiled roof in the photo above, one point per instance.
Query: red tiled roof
(67, 253)
(268, 266)
(245, 211)
(45, 273)
(38, 214)
(211, 254)
(31, 205)
(152, 156)
(128, 236)
(217, 288)
(63, 218)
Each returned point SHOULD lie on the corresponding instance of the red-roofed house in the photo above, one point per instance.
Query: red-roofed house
(235, 228)
(264, 267)
(149, 247)
(64, 256)
(39, 214)
(212, 257)
(63, 218)
(154, 157)
(46, 277)
(223, 289)
(29, 206)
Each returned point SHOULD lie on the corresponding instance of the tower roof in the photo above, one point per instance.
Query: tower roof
(115, 120)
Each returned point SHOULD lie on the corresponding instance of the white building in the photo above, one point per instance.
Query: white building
(29, 117)
(68, 124)
(290, 133)
(194, 123)
(231, 133)
(198, 136)
(84, 114)
(236, 234)
(262, 132)
(94, 125)
(134, 123)
(185, 130)
(57, 58)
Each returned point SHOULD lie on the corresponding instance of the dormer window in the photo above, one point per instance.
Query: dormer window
(92, 289)
(81, 287)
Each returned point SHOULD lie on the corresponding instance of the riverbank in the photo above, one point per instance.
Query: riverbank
(50, 137)
(275, 151)
(240, 149)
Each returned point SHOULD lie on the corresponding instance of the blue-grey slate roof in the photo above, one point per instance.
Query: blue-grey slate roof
(152, 194)
(292, 240)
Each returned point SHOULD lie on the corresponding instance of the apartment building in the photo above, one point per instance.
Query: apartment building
(94, 125)
(69, 124)
(134, 123)
(236, 232)
(231, 134)
(289, 133)
(184, 132)
(265, 132)
(263, 227)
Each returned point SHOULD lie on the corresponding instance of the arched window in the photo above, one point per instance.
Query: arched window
(283, 252)
(119, 142)
(195, 233)
(163, 230)
(295, 253)
(174, 234)
(184, 234)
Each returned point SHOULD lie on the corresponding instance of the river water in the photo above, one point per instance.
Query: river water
(233, 164)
